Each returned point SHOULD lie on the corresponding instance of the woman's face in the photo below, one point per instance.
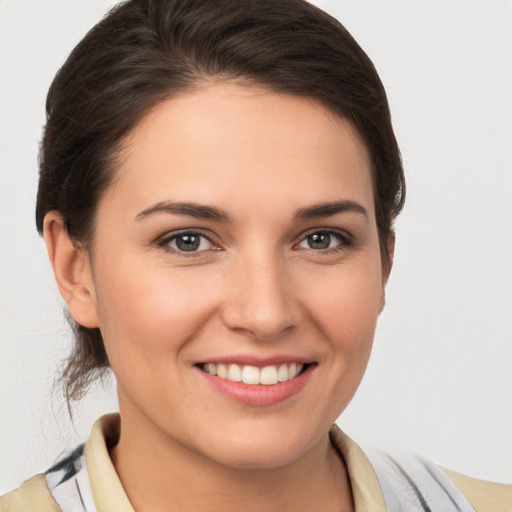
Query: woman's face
(239, 239)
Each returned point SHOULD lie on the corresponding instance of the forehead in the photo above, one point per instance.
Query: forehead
(243, 146)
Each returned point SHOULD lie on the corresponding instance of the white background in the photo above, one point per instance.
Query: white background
(440, 380)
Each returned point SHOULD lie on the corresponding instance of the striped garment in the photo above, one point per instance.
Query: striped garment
(380, 482)
(408, 484)
(68, 482)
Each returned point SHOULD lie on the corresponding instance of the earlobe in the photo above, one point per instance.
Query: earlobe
(72, 270)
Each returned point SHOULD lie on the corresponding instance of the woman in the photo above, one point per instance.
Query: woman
(218, 188)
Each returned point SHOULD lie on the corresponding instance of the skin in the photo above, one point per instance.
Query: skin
(254, 288)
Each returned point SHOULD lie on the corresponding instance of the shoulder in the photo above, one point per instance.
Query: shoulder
(405, 482)
(409, 482)
(32, 495)
(483, 495)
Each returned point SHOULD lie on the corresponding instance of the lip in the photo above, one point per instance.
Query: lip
(258, 394)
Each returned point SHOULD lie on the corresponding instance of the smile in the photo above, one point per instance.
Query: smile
(248, 374)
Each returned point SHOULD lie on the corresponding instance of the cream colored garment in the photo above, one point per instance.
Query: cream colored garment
(109, 495)
(482, 495)
(32, 496)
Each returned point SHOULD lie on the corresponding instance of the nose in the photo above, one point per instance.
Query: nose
(261, 302)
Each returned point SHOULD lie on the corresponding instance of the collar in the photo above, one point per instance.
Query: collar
(109, 494)
(363, 480)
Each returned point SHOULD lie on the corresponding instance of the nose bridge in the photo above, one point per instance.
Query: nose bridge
(262, 301)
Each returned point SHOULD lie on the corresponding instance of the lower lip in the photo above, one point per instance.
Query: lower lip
(259, 394)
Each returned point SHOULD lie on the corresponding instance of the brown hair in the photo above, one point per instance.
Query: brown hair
(145, 51)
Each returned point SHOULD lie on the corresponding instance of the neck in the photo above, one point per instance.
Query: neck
(157, 471)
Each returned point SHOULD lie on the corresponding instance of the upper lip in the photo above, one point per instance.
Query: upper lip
(258, 361)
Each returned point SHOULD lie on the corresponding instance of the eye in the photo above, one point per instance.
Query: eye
(324, 240)
(187, 242)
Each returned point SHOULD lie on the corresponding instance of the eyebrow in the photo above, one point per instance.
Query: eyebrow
(191, 209)
(199, 211)
(323, 210)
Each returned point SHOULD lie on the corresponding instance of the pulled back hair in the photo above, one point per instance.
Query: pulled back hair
(146, 51)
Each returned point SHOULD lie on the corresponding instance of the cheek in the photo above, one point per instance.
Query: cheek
(148, 314)
(347, 303)
(347, 307)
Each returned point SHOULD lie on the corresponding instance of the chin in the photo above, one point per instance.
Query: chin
(260, 448)
(254, 457)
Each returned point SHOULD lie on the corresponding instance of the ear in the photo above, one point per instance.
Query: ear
(72, 269)
(387, 265)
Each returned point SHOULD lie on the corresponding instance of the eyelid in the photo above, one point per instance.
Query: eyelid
(346, 239)
(165, 239)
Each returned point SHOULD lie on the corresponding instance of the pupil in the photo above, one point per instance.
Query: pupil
(319, 241)
(187, 242)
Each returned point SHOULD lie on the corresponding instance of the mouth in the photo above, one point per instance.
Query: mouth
(253, 375)
(257, 382)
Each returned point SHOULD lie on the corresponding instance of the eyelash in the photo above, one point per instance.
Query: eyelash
(164, 243)
(345, 241)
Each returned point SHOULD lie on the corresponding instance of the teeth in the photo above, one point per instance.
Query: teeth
(250, 375)
(268, 375)
(234, 373)
(222, 371)
(253, 375)
(292, 371)
(282, 373)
